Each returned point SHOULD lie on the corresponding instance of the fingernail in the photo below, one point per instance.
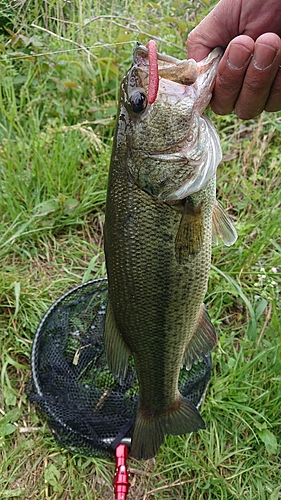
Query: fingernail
(264, 56)
(238, 56)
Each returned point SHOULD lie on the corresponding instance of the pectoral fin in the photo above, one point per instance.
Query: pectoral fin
(117, 352)
(189, 238)
(222, 226)
(203, 339)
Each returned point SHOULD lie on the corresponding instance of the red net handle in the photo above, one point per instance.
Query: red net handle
(121, 478)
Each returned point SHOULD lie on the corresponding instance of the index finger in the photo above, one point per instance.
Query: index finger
(247, 89)
(231, 73)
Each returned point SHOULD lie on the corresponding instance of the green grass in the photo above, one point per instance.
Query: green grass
(60, 68)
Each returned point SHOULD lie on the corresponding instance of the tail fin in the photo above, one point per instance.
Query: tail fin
(149, 431)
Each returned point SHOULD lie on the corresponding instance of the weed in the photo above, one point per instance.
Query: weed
(60, 68)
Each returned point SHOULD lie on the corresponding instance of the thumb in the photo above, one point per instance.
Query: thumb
(216, 30)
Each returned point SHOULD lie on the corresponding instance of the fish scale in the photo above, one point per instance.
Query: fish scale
(158, 238)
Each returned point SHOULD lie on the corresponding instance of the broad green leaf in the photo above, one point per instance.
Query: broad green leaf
(269, 440)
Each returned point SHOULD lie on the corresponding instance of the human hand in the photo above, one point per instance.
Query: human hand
(249, 74)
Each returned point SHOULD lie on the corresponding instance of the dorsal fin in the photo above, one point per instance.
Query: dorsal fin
(222, 226)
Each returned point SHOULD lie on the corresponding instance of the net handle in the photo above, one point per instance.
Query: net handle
(121, 478)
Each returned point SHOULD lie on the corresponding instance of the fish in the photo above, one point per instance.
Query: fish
(161, 220)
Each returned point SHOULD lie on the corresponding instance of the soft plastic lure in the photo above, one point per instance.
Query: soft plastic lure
(153, 71)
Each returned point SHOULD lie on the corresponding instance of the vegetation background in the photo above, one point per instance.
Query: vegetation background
(61, 63)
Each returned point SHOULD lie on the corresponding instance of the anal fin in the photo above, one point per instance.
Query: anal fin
(149, 430)
(189, 238)
(117, 352)
(222, 226)
(202, 341)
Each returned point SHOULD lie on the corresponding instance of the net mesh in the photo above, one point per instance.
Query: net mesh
(71, 384)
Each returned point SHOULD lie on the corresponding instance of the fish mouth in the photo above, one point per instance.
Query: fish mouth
(179, 79)
(198, 145)
(180, 71)
(198, 75)
(207, 69)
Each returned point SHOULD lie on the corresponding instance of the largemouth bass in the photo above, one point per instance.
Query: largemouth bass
(161, 218)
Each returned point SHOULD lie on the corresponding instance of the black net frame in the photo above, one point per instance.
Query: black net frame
(71, 385)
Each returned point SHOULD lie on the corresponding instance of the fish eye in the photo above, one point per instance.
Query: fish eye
(138, 102)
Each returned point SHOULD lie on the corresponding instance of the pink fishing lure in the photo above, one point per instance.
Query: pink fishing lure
(153, 71)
